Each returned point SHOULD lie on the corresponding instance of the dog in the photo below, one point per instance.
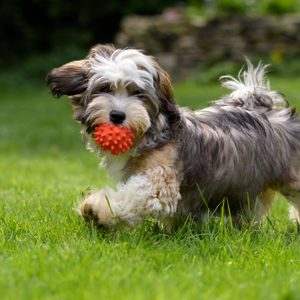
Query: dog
(229, 157)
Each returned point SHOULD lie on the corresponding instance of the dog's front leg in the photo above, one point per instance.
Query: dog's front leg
(154, 192)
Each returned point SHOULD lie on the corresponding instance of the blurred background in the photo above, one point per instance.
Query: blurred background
(188, 37)
(197, 41)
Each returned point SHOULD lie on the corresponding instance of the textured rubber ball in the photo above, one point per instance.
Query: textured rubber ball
(112, 138)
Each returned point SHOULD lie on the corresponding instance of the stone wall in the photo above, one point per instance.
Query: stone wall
(183, 45)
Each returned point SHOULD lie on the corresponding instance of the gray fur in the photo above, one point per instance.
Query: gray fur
(239, 147)
(236, 154)
(244, 144)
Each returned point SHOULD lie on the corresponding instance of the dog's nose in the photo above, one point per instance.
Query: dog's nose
(117, 117)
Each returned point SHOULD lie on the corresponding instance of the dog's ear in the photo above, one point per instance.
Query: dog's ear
(166, 96)
(164, 85)
(69, 79)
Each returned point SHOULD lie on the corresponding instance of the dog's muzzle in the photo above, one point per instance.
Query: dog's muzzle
(117, 117)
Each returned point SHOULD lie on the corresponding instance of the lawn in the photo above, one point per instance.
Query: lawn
(48, 252)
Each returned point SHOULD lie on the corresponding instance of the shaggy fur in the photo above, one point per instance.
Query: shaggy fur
(184, 163)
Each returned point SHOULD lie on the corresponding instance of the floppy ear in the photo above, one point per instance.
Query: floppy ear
(69, 79)
(165, 85)
(165, 94)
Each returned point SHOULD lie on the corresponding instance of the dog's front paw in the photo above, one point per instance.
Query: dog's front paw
(88, 212)
(96, 209)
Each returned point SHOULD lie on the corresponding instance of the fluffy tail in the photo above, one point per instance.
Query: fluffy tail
(251, 89)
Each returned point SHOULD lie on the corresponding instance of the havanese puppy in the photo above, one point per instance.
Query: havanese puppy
(238, 151)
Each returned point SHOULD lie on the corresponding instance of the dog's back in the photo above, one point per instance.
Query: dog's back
(243, 145)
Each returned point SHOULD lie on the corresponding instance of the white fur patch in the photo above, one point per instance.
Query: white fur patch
(145, 194)
(115, 164)
(135, 200)
(280, 117)
(248, 82)
(121, 67)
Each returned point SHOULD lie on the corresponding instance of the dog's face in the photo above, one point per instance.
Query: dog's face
(121, 87)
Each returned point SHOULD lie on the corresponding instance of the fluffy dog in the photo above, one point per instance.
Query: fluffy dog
(184, 163)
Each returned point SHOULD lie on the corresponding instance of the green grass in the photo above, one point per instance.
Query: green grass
(48, 252)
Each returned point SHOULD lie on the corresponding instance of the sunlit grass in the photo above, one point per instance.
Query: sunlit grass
(48, 252)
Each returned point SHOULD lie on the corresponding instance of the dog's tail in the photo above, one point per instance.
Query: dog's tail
(251, 89)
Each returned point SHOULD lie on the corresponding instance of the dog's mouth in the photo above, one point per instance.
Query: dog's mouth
(91, 129)
(112, 138)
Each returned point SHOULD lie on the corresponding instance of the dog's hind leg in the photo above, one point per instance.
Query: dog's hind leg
(263, 205)
(291, 191)
(292, 194)
(254, 211)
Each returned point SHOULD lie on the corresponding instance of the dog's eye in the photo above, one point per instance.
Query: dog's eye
(137, 93)
(105, 90)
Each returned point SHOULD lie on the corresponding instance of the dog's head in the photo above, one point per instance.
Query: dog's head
(121, 87)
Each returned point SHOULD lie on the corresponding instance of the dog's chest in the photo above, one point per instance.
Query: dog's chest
(116, 165)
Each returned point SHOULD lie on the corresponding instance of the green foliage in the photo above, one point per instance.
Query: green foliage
(270, 7)
(34, 26)
(36, 67)
(146, 7)
(231, 6)
(28, 27)
(211, 71)
(279, 7)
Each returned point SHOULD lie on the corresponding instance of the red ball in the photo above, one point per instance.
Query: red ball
(113, 138)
